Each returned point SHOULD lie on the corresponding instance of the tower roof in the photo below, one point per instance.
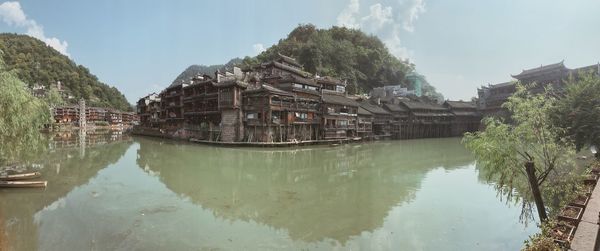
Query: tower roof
(540, 70)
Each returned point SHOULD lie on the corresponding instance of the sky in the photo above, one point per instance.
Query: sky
(141, 46)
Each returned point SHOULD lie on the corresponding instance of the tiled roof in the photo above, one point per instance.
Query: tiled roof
(339, 100)
(269, 88)
(422, 105)
(505, 84)
(362, 111)
(461, 104)
(287, 68)
(289, 60)
(375, 109)
(395, 107)
(330, 80)
(560, 65)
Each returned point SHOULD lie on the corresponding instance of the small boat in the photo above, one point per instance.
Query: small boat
(20, 176)
(23, 184)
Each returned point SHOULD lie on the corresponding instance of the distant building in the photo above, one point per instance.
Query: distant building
(416, 82)
(491, 97)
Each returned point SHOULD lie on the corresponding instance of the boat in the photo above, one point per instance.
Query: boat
(23, 184)
(20, 176)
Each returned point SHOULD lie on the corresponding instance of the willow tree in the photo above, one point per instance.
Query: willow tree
(524, 157)
(21, 117)
(578, 111)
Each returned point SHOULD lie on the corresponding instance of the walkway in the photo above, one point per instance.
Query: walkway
(586, 236)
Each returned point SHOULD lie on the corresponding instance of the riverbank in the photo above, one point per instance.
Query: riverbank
(68, 128)
(586, 236)
(183, 136)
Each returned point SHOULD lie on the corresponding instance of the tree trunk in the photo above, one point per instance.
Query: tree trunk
(535, 190)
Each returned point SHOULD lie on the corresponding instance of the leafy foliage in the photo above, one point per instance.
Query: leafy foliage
(502, 150)
(542, 241)
(195, 70)
(21, 117)
(36, 63)
(53, 97)
(578, 111)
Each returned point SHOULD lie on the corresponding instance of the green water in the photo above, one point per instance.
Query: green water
(149, 194)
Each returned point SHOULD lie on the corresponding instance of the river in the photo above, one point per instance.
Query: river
(150, 194)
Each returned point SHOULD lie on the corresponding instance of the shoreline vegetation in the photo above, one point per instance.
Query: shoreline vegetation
(532, 152)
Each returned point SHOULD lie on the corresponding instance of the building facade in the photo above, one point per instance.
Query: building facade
(554, 76)
(277, 101)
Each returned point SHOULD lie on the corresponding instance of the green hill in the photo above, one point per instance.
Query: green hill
(195, 70)
(349, 54)
(363, 60)
(37, 63)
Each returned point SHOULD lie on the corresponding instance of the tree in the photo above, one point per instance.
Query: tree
(53, 97)
(21, 117)
(525, 155)
(35, 62)
(578, 111)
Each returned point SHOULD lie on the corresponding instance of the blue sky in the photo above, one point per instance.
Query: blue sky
(141, 46)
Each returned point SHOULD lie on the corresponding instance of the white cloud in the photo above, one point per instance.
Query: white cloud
(12, 14)
(347, 17)
(387, 22)
(394, 44)
(412, 10)
(258, 48)
(378, 17)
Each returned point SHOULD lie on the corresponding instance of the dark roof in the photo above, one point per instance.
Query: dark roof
(269, 88)
(299, 80)
(461, 104)
(505, 84)
(289, 60)
(466, 113)
(394, 107)
(338, 100)
(560, 66)
(595, 68)
(330, 80)
(433, 114)
(362, 111)
(231, 82)
(287, 68)
(375, 109)
(422, 105)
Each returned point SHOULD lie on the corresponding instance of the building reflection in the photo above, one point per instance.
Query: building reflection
(65, 166)
(312, 193)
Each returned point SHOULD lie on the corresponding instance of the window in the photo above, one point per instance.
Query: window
(301, 115)
(252, 115)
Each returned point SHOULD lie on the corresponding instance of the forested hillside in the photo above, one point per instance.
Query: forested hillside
(37, 63)
(348, 54)
(363, 60)
(195, 70)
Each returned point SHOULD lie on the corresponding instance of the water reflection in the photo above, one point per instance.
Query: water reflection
(65, 167)
(314, 194)
(163, 195)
